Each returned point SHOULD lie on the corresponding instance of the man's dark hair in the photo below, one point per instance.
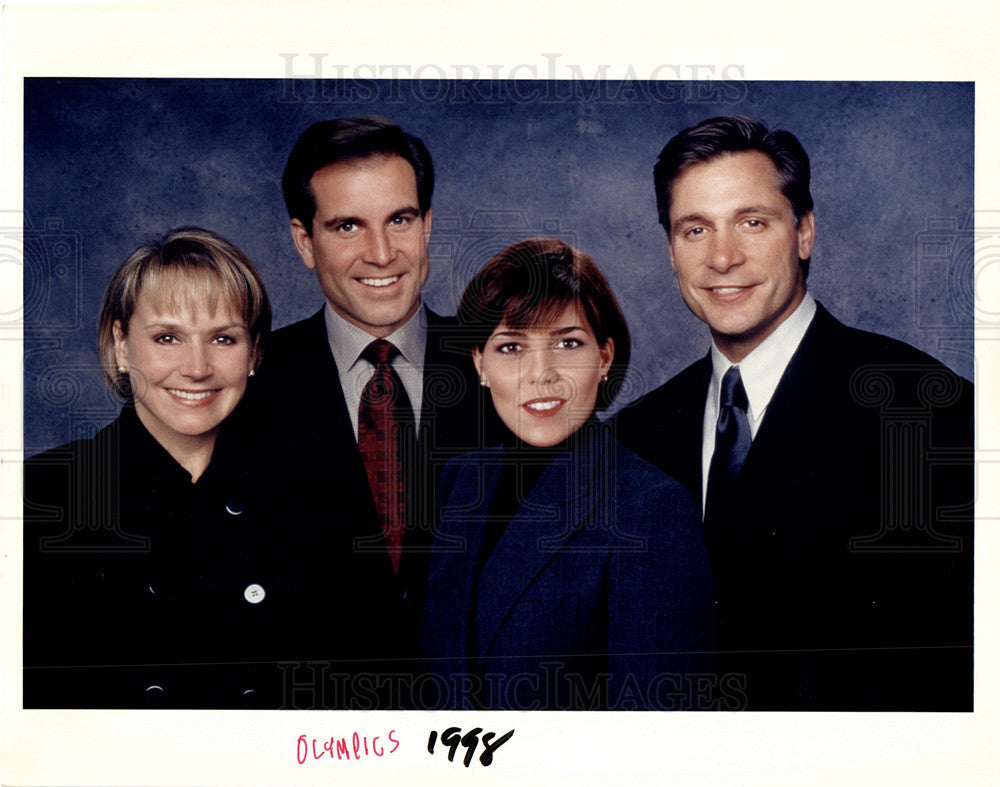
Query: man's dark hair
(721, 136)
(350, 139)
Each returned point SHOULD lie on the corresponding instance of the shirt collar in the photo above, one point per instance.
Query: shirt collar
(348, 341)
(762, 369)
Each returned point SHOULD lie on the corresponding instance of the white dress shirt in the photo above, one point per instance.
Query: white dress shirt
(760, 371)
(348, 341)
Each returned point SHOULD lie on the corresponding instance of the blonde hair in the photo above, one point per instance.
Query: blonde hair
(191, 263)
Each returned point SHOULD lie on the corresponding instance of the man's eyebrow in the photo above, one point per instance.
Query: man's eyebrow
(336, 221)
(699, 218)
(691, 218)
(765, 209)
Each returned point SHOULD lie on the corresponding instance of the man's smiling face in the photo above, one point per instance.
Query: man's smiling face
(736, 249)
(369, 242)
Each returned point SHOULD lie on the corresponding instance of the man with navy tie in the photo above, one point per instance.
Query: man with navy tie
(834, 466)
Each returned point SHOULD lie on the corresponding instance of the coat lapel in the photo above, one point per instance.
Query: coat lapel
(457, 546)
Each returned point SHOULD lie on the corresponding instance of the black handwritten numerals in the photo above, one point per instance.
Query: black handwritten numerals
(452, 738)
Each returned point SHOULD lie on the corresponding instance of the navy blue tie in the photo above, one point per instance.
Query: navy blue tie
(732, 442)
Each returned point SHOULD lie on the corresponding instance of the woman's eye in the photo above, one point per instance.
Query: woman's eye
(165, 338)
(508, 348)
(568, 344)
(224, 339)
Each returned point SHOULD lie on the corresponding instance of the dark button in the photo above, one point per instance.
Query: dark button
(235, 507)
(716, 603)
(155, 691)
(248, 692)
(403, 594)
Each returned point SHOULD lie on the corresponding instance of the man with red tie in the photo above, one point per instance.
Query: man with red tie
(366, 400)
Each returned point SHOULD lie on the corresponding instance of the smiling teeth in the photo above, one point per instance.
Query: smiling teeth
(544, 405)
(726, 290)
(380, 282)
(192, 395)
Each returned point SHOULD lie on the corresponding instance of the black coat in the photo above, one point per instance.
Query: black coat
(843, 566)
(306, 438)
(136, 578)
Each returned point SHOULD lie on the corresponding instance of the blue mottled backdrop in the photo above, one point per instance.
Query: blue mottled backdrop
(110, 162)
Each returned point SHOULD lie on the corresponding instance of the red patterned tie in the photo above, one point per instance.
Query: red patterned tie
(384, 409)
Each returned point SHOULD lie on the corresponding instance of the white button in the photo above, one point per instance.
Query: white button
(254, 593)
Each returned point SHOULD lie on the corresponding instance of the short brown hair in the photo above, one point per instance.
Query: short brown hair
(215, 268)
(531, 283)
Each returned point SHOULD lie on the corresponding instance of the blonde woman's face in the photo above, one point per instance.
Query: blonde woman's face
(187, 363)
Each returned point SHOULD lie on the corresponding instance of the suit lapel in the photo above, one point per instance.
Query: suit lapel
(799, 396)
(562, 500)
(458, 544)
(321, 378)
(687, 427)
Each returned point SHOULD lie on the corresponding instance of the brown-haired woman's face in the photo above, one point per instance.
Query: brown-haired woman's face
(544, 379)
(187, 363)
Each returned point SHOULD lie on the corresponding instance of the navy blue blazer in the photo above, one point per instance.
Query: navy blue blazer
(843, 567)
(596, 595)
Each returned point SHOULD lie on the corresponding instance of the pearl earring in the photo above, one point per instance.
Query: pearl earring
(604, 378)
(122, 370)
(252, 373)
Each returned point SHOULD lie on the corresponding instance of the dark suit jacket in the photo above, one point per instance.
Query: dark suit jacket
(596, 594)
(308, 441)
(136, 580)
(843, 567)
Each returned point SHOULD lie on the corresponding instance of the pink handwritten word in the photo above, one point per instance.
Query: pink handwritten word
(452, 737)
(338, 748)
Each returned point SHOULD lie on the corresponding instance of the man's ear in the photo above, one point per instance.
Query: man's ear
(303, 243)
(428, 220)
(670, 252)
(807, 235)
